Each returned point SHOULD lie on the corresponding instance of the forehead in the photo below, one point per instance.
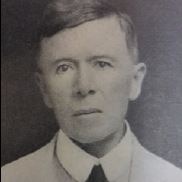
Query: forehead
(99, 36)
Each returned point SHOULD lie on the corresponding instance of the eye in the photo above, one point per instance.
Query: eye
(103, 64)
(63, 68)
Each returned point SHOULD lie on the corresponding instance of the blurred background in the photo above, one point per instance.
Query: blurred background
(156, 117)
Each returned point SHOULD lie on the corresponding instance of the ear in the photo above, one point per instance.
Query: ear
(137, 80)
(43, 89)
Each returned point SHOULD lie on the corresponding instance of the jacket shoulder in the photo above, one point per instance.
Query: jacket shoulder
(150, 167)
(29, 165)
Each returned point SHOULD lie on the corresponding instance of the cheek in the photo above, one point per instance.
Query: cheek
(117, 98)
(59, 93)
(117, 86)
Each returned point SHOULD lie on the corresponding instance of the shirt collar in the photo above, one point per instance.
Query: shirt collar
(79, 163)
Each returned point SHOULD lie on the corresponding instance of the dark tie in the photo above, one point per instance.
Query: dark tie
(97, 175)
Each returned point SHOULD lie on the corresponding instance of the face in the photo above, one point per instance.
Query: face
(88, 78)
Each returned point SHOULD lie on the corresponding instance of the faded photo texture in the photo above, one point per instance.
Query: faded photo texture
(155, 118)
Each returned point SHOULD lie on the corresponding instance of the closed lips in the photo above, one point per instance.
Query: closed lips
(87, 111)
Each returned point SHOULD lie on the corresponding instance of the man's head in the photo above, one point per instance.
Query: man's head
(88, 67)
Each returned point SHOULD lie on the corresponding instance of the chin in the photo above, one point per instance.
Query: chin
(89, 140)
(91, 137)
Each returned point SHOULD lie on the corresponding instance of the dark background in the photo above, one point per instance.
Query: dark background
(156, 117)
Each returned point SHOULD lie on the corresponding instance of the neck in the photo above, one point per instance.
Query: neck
(100, 148)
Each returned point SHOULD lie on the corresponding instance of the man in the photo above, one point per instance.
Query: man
(88, 71)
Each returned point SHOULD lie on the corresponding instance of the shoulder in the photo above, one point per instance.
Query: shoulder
(150, 167)
(36, 162)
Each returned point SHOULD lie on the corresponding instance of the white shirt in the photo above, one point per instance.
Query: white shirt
(62, 161)
(79, 164)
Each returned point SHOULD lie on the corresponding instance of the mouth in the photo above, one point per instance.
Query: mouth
(87, 111)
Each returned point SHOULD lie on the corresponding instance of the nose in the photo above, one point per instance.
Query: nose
(84, 84)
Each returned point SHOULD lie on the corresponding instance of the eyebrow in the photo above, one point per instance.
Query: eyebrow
(102, 57)
(57, 61)
(75, 61)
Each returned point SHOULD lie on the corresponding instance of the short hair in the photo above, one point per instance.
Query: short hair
(64, 14)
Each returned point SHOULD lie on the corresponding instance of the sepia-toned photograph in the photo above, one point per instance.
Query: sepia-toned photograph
(91, 91)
